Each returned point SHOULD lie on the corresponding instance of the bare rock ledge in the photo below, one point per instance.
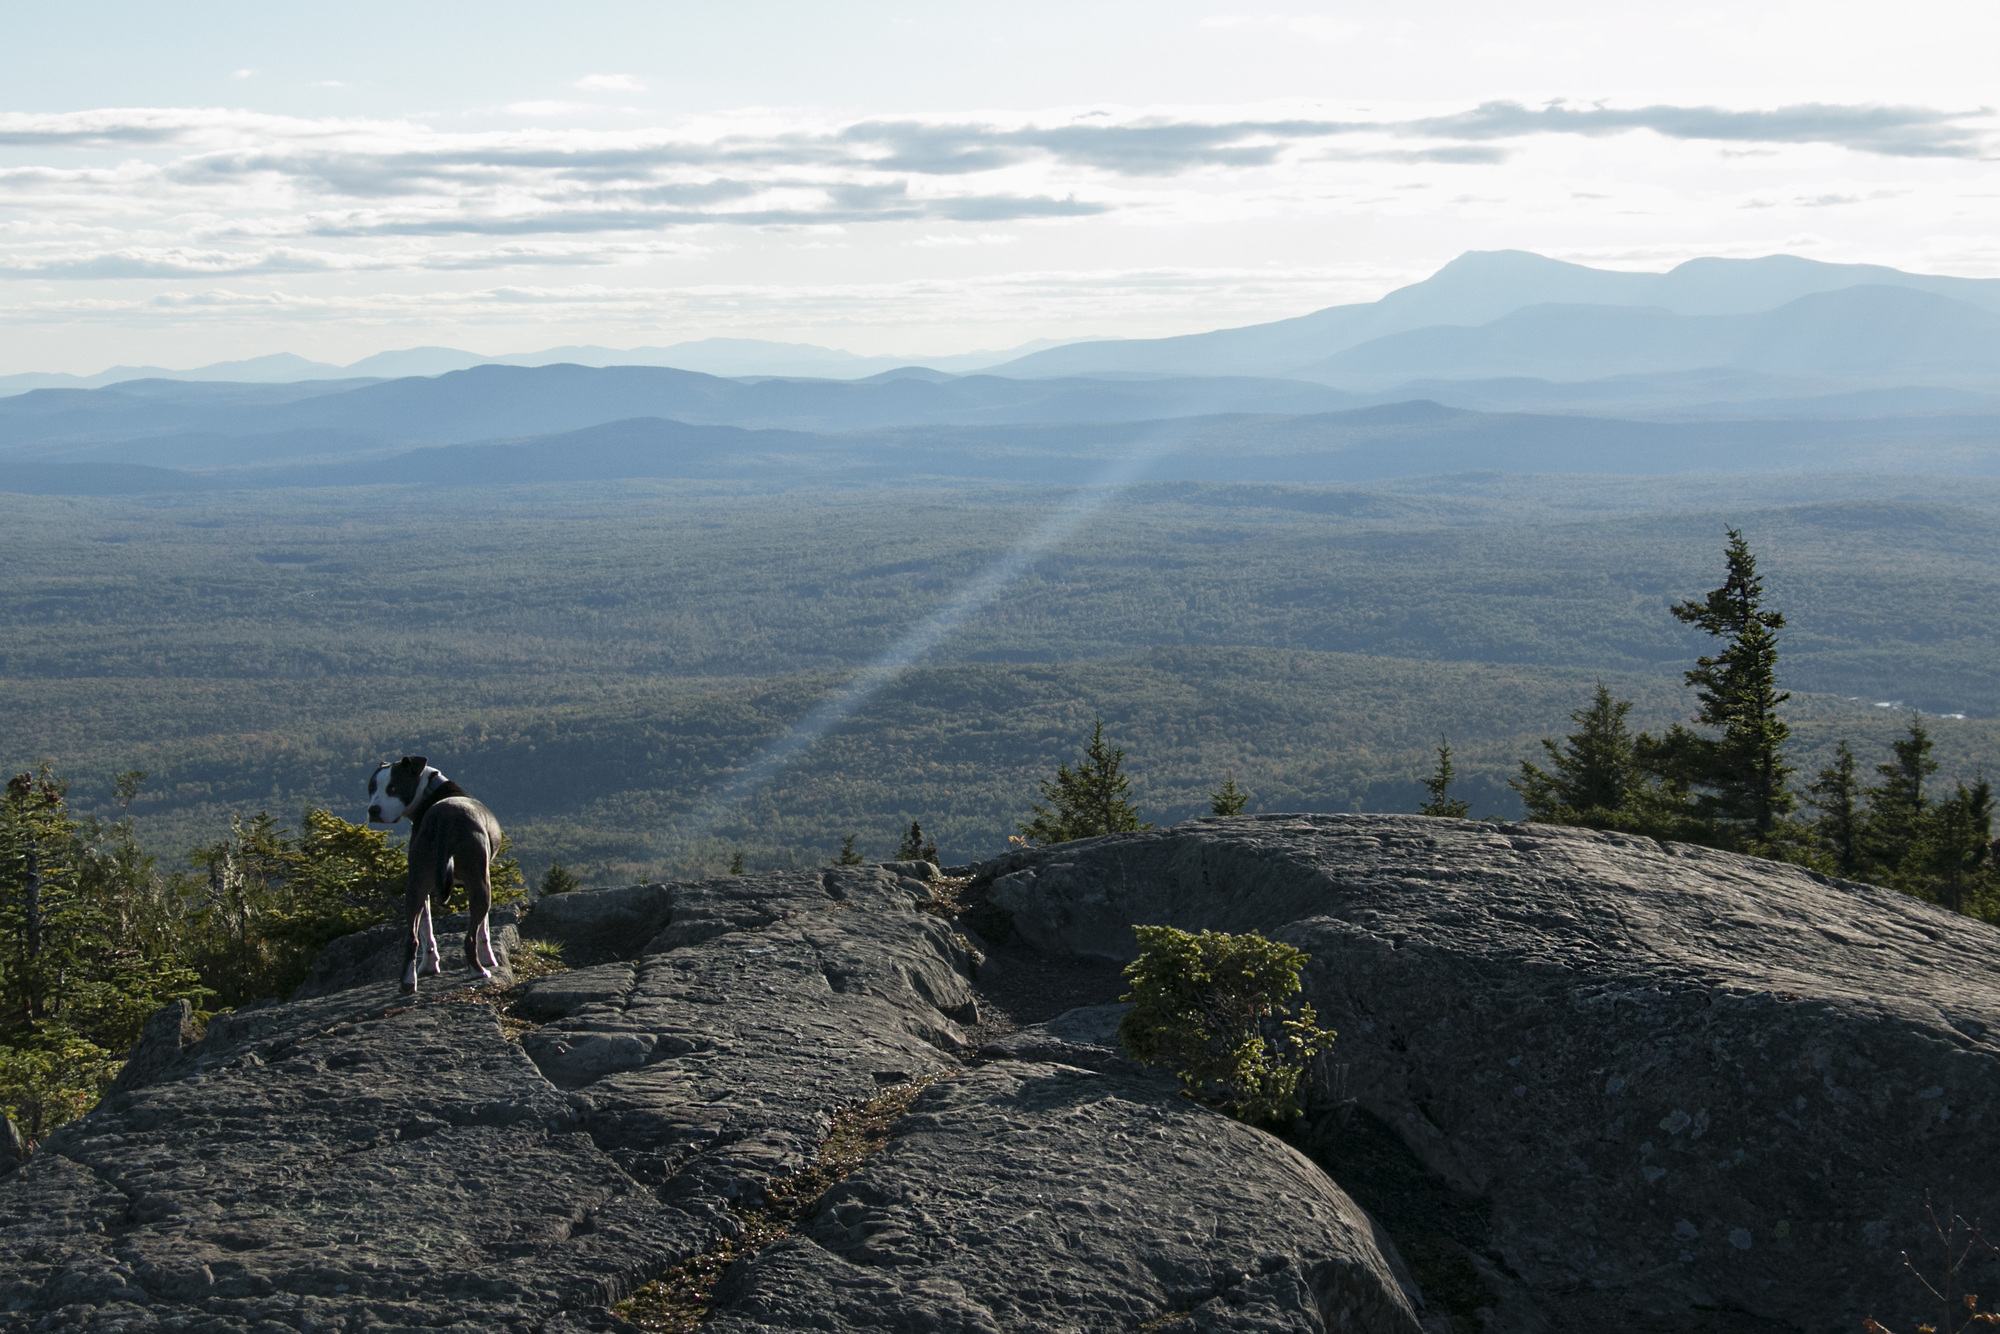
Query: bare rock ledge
(1582, 1082)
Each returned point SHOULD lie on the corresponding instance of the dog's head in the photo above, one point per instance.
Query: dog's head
(394, 788)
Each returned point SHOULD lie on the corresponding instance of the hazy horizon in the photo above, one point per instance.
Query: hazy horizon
(188, 187)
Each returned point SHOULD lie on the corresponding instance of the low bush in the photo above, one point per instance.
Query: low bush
(1215, 1008)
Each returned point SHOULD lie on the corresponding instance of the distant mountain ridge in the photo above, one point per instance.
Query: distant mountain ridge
(1482, 287)
(1865, 335)
(1401, 440)
(711, 356)
(488, 402)
(1780, 334)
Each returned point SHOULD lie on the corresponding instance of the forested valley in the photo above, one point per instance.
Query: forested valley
(196, 687)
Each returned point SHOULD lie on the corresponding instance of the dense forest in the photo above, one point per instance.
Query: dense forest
(593, 659)
(217, 676)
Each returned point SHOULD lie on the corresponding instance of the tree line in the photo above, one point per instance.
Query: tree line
(1727, 785)
(1731, 787)
(95, 936)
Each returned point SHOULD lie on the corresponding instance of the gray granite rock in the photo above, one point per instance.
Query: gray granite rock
(167, 1034)
(565, 993)
(1661, 1088)
(1681, 1082)
(353, 1160)
(601, 924)
(1086, 1037)
(1028, 1196)
(723, 1066)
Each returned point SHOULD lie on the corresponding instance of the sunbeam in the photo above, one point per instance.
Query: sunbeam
(978, 593)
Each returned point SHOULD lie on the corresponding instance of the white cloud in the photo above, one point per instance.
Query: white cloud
(610, 83)
(548, 108)
(960, 239)
(243, 74)
(1045, 295)
(339, 216)
(1316, 27)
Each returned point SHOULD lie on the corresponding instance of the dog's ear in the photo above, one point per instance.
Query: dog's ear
(417, 762)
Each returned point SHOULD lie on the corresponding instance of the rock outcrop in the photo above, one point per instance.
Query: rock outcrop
(1582, 1081)
(1670, 1087)
(352, 1160)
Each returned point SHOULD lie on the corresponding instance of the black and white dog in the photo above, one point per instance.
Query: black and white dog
(452, 840)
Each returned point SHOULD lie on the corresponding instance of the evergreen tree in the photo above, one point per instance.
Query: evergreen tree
(1592, 775)
(1950, 861)
(915, 847)
(1441, 801)
(848, 856)
(736, 862)
(1897, 805)
(1094, 798)
(1836, 794)
(76, 982)
(558, 880)
(263, 902)
(1741, 774)
(1228, 799)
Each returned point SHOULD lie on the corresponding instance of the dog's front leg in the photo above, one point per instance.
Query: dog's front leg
(413, 951)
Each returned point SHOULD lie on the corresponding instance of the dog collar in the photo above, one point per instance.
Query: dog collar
(445, 789)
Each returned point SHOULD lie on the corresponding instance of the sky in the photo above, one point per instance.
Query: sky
(182, 184)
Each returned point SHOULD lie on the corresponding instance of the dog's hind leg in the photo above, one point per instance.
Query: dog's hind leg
(478, 935)
(429, 950)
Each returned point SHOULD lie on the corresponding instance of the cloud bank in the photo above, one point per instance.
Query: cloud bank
(152, 214)
(235, 179)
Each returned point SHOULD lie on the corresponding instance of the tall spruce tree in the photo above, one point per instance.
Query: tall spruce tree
(1897, 805)
(1741, 775)
(1093, 798)
(1228, 799)
(915, 847)
(1950, 861)
(1836, 795)
(1592, 775)
(1438, 785)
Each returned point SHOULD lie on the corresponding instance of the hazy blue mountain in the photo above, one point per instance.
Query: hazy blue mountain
(1403, 440)
(1705, 392)
(488, 402)
(1870, 334)
(750, 357)
(710, 356)
(1479, 288)
(277, 368)
(416, 361)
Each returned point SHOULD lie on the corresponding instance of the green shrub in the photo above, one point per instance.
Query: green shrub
(559, 880)
(1213, 1007)
(57, 1079)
